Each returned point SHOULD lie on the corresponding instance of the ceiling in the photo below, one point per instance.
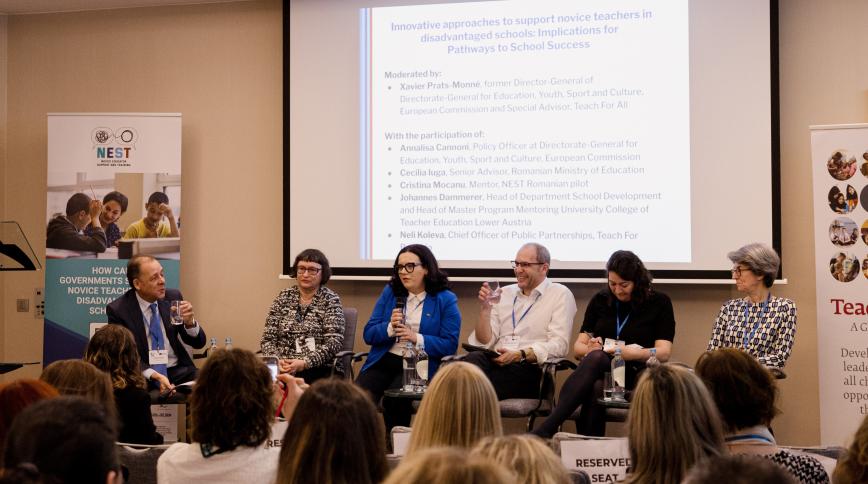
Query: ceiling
(21, 7)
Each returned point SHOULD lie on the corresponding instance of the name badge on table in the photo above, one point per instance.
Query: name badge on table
(158, 357)
(310, 343)
(509, 343)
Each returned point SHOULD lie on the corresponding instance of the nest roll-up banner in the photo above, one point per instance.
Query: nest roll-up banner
(122, 161)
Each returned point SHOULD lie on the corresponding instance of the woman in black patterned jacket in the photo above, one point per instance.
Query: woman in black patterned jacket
(305, 325)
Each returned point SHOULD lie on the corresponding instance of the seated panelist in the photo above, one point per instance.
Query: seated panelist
(761, 324)
(146, 311)
(430, 319)
(627, 314)
(305, 325)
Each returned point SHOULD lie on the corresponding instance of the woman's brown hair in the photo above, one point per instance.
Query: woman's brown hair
(232, 404)
(335, 436)
(744, 391)
(113, 350)
(672, 425)
(80, 378)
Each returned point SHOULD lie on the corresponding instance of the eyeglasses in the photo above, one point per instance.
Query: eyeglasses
(408, 267)
(736, 271)
(307, 270)
(524, 265)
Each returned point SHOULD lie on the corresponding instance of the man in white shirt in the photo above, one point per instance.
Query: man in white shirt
(527, 323)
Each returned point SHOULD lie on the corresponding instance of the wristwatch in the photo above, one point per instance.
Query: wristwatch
(523, 356)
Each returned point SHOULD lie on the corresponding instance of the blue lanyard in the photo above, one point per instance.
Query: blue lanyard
(404, 310)
(514, 323)
(619, 325)
(736, 438)
(748, 337)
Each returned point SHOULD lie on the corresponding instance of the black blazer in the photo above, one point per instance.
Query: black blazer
(126, 311)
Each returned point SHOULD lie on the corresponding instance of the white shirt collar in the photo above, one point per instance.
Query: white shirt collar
(145, 305)
(540, 288)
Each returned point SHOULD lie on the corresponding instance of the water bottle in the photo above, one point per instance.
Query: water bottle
(228, 344)
(619, 376)
(213, 346)
(421, 368)
(409, 377)
(652, 360)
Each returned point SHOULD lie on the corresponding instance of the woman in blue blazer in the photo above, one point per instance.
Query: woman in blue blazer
(430, 318)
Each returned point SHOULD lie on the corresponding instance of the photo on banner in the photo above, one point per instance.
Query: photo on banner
(113, 191)
(840, 169)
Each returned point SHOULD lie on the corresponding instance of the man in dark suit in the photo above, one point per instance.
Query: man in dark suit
(146, 311)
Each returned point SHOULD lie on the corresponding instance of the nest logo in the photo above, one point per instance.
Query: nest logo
(113, 147)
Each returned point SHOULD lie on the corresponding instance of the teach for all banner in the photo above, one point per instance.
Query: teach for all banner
(840, 166)
(112, 179)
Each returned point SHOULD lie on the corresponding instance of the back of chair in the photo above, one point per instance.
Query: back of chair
(351, 318)
(141, 461)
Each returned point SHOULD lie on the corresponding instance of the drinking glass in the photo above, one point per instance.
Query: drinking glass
(176, 313)
(494, 295)
(608, 386)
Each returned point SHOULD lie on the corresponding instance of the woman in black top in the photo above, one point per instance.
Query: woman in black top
(627, 311)
(113, 350)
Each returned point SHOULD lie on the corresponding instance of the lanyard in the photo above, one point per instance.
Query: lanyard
(754, 437)
(619, 325)
(516, 323)
(414, 309)
(764, 308)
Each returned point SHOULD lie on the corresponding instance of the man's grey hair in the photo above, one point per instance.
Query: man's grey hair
(760, 258)
(542, 254)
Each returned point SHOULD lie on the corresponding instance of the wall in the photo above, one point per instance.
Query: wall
(220, 65)
(3, 128)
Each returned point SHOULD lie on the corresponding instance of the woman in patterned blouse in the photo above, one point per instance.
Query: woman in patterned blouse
(761, 324)
(305, 325)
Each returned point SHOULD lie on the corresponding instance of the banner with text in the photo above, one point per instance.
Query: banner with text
(840, 166)
(113, 190)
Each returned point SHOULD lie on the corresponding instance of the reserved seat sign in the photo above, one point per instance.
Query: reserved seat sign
(605, 460)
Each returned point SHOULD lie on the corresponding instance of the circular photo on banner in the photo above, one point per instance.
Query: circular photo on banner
(843, 232)
(865, 232)
(843, 200)
(864, 168)
(865, 267)
(844, 266)
(864, 198)
(841, 165)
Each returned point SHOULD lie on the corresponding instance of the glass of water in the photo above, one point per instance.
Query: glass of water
(608, 386)
(176, 313)
(494, 295)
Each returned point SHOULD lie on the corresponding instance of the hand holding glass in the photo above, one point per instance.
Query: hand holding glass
(177, 320)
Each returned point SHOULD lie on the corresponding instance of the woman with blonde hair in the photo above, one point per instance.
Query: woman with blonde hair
(672, 425)
(528, 456)
(80, 378)
(852, 467)
(113, 350)
(448, 465)
(459, 408)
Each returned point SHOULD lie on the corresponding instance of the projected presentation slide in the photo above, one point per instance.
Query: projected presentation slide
(492, 122)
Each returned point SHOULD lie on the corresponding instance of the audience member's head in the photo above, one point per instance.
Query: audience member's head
(113, 350)
(672, 425)
(738, 469)
(742, 388)
(449, 465)
(335, 435)
(62, 440)
(459, 408)
(528, 456)
(852, 467)
(17, 395)
(232, 404)
(80, 378)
